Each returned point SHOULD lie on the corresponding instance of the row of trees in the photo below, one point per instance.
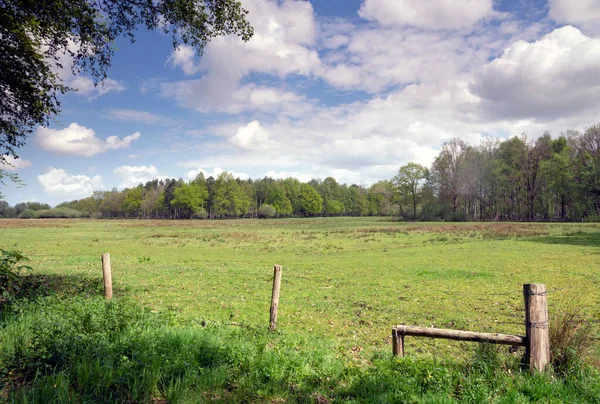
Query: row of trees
(229, 197)
(516, 179)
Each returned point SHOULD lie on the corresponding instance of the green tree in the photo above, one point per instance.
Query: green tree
(230, 198)
(409, 183)
(380, 198)
(311, 202)
(189, 199)
(356, 203)
(279, 201)
(35, 34)
(333, 207)
(133, 201)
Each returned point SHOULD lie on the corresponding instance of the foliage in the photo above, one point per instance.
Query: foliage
(409, 184)
(267, 211)
(38, 35)
(11, 269)
(58, 213)
(311, 202)
(190, 199)
(27, 214)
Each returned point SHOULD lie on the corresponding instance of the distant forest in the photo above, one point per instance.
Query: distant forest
(518, 179)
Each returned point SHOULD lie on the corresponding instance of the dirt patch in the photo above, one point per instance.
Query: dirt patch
(34, 223)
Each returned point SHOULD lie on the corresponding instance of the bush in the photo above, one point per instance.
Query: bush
(266, 211)
(58, 213)
(10, 273)
(27, 214)
(456, 217)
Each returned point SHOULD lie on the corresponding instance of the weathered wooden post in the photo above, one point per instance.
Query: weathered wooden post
(106, 274)
(397, 343)
(275, 297)
(537, 350)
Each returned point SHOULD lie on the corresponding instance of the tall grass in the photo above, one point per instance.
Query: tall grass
(89, 350)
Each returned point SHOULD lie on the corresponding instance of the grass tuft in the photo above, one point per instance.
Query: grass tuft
(571, 338)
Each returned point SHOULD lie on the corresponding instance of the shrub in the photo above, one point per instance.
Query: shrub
(58, 213)
(10, 273)
(266, 211)
(27, 214)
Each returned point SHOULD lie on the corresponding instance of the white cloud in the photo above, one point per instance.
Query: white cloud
(584, 13)
(204, 96)
(283, 34)
(58, 182)
(554, 76)
(133, 115)
(192, 174)
(12, 164)
(377, 59)
(184, 56)
(303, 177)
(250, 136)
(132, 176)
(336, 41)
(431, 14)
(76, 140)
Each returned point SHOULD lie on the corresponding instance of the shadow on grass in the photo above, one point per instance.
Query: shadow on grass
(579, 238)
(30, 287)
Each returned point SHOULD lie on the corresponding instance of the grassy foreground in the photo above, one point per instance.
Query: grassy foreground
(63, 350)
(345, 283)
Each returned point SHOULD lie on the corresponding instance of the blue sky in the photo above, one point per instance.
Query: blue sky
(346, 88)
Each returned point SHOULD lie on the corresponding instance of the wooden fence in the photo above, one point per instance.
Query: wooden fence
(536, 340)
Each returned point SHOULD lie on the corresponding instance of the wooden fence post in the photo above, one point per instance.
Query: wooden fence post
(537, 350)
(397, 343)
(275, 297)
(106, 274)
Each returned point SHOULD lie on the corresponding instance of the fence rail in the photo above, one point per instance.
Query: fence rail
(536, 341)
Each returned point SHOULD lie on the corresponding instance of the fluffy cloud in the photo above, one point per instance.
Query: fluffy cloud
(557, 75)
(251, 136)
(76, 140)
(184, 57)
(201, 96)
(280, 46)
(584, 13)
(58, 182)
(132, 176)
(377, 59)
(12, 164)
(432, 14)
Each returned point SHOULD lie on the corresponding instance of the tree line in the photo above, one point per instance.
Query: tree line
(518, 179)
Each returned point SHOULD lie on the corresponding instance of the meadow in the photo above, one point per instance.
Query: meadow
(350, 279)
(206, 287)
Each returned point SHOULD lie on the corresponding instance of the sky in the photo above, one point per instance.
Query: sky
(351, 89)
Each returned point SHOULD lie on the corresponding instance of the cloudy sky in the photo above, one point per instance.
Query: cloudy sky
(346, 88)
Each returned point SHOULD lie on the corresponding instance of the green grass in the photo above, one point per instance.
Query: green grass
(62, 350)
(349, 279)
(346, 282)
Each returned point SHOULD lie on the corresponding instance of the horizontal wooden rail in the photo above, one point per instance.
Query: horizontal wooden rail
(399, 332)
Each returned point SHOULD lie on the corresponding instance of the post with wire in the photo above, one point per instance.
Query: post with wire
(537, 350)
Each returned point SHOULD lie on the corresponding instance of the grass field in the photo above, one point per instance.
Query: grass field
(347, 279)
